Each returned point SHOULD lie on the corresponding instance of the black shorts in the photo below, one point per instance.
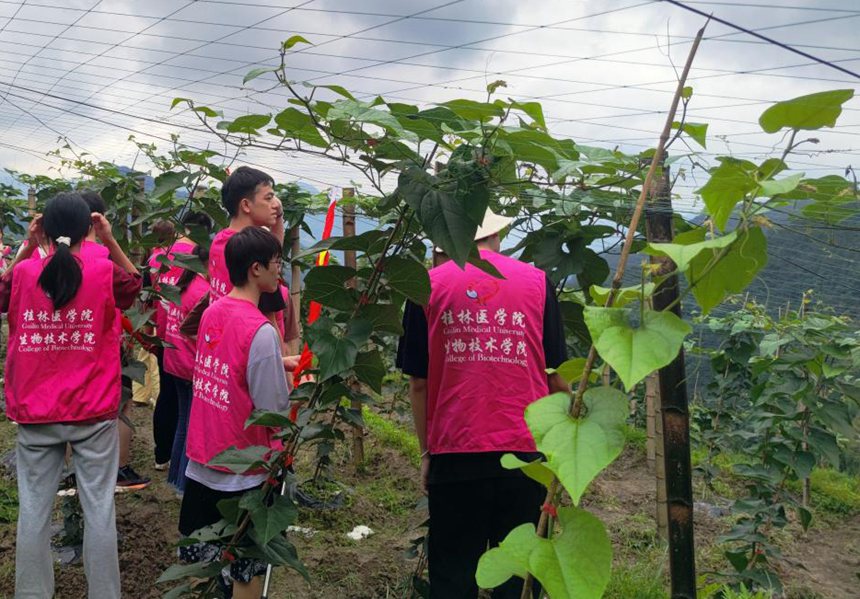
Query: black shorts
(199, 509)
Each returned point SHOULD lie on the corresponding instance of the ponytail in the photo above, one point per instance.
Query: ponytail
(61, 277)
(66, 221)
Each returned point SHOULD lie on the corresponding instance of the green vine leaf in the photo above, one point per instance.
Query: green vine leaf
(269, 518)
(300, 126)
(685, 247)
(730, 182)
(327, 285)
(713, 282)
(254, 73)
(386, 318)
(577, 450)
(370, 369)
(445, 208)
(624, 296)
(337, 353)
(240, 461)
(574, 564)
(635, 352)
(408, 277)
(535, 470)
(810, 112)
(293, 40)
(698, 132)
(471, 110)
(248, 124)
(773, 187)
(364, 112)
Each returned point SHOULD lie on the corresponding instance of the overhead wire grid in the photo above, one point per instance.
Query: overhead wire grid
(95, 71)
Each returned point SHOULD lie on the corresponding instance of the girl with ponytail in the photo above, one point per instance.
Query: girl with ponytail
(179, 362)
(63, 387)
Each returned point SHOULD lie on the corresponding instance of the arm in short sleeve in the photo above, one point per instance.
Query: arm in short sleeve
(413, 351)
(554, 346)
(267, 381)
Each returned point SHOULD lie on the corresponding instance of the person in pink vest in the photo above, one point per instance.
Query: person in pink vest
(165, 417)
(238, 368)
(250, 201)
(477, 356)
(179, 362)
(127, 478)
(63, 386)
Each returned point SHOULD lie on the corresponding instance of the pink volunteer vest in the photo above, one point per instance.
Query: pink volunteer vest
(170, 277)
(221, 402)
(486, 356)
(219, 276)
(93, 250)
(62, 366)
(179, 359)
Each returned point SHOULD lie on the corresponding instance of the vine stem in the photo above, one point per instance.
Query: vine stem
(576, 406)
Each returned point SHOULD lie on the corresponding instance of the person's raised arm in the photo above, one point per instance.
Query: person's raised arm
(102, 228)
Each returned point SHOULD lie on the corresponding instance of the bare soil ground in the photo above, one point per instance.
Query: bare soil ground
(820, 564)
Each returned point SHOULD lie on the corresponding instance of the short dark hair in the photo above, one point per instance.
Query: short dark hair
(94, 201)
(199, 219)
(242, 183)
(249, 246)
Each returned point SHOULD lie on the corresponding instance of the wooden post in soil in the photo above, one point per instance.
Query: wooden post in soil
(674, 407)
(656, 465)
(137, 254)
(31, 201)
(296, 275)
(681, 556)
(349, 261)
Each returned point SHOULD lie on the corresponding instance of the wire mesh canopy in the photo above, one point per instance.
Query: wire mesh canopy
(96, 71)
(93, 72)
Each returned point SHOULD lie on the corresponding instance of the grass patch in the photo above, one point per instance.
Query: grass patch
(635, 437)
(8, 501)
(392, 435)
(639, 578)
(832, 491)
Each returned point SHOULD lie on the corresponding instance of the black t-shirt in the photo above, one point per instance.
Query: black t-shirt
(413, 357)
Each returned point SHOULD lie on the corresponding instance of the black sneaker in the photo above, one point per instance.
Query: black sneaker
(68, 486)
(129, 480)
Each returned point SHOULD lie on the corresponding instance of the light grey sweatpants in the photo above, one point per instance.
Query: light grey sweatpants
(41, 450)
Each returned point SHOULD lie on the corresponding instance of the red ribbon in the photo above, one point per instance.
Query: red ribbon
(315, 308)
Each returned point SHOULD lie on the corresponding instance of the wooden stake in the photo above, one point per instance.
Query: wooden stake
(296, 276)
(576, 404)
(31, 201)
(349, 260)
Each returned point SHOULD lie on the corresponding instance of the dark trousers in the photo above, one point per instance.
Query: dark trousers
(178, 459)
(467, 516)
(165, 415)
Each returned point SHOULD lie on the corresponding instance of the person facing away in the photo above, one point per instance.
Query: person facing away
(63, 387)
(238, 368)
(477, 356)
(165, 417)
(179, 356)
(127, 478)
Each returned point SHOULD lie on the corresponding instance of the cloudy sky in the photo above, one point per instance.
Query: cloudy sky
(96, 72)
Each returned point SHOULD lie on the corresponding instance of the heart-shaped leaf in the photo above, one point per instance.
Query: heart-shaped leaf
(635, 352)
(577, 449)
(806, 112)
(574, 564)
